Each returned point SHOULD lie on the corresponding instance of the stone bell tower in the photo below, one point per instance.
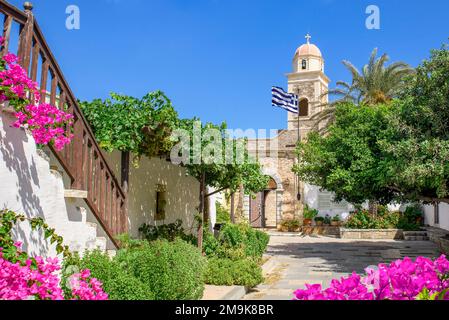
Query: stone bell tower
(309, 82)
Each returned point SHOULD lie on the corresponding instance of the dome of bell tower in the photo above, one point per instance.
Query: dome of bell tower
(308, 57)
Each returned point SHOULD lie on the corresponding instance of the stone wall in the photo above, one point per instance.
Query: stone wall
(371, 234)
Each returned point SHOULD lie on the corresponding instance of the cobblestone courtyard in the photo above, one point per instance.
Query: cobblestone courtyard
(299, 260)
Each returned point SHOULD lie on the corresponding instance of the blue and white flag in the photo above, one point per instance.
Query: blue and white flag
(284, 100)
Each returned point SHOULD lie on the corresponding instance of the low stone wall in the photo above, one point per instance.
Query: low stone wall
(443, 243)
(321, 230)
(440, 237)
(372, 234)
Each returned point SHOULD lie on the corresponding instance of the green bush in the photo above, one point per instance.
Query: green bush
(253, 242)
(167, 231)
(171, 270)
(117, 283)
(223, 216)
(227, 272)
(407, 221)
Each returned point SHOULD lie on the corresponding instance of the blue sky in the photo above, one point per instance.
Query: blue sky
(217, 59)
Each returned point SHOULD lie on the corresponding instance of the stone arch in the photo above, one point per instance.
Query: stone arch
(273, 199)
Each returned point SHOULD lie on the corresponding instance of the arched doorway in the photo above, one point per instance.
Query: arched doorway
(263, 209)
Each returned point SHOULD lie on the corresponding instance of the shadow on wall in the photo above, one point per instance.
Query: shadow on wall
(19, 178)
(182, 194)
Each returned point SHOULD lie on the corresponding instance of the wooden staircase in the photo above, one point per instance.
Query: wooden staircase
(82, 160)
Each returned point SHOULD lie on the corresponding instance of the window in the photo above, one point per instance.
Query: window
(304, 64)
(304, 108)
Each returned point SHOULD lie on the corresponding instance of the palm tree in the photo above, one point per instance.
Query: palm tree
(376, 84)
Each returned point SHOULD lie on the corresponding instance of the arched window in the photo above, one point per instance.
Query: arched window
(304, 64)
(304, 108)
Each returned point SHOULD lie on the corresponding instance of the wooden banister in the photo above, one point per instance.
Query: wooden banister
(83, 160)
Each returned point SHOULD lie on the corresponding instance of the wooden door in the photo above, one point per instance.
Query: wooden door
(256, 209)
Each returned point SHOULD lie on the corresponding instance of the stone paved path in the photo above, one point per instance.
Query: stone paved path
(299, 260)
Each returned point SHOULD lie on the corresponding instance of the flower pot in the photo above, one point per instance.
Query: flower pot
(319, 223)
(307, 222)
(335, 223)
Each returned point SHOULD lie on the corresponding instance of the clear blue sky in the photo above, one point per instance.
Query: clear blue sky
(217, 59)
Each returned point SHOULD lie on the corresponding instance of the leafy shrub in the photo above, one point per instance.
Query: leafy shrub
(227, 272)
(362, 219)
(412, 218)
(167, 231)
(253, 242)
(336, 218)
(385, 219)
(171, 270)
(223, 216)
(210, 244)
(319, 219)
(310, 213)
(119, 284)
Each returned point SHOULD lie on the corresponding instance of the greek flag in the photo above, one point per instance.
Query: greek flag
(284, 100)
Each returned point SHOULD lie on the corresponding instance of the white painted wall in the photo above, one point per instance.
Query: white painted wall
(28, 186)
(429, 216)
(182, 192)
(312, 194)
(312, 200)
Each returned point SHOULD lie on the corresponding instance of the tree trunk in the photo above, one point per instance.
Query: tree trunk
(232, 208)
(201, 210)
(240, 202)
(373, 207)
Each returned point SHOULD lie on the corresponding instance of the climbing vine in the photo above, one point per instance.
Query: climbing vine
(141, 126)
(11, 249)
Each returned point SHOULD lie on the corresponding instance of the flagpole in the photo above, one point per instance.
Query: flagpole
(299, 140)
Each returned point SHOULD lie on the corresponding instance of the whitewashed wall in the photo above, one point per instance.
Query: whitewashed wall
(317, 199)
(182, 192)
(429, 218)
(314, 198)
(28, 186)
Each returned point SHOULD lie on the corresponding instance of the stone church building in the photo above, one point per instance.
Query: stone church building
(285, 195)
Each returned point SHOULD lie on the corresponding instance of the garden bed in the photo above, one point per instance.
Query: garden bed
(372, 234)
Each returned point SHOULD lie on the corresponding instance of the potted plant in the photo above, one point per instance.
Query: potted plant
(327, 220)
(309, 215)
(336, 221)
(319, 221)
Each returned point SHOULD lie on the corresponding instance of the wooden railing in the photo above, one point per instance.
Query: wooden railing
(83, 159)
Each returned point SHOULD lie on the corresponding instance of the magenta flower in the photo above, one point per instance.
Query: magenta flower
(401, 280)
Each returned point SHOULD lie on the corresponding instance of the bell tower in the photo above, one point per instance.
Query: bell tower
(310, 83)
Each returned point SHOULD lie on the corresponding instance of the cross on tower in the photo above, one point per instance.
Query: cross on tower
(308, 37)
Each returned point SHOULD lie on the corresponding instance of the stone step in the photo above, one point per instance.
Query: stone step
(111, 253)
(101, 243)
(416, 238)
(415, 234)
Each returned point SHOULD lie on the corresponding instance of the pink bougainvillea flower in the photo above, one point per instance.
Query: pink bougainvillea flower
(48, 124)
(401, 280)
